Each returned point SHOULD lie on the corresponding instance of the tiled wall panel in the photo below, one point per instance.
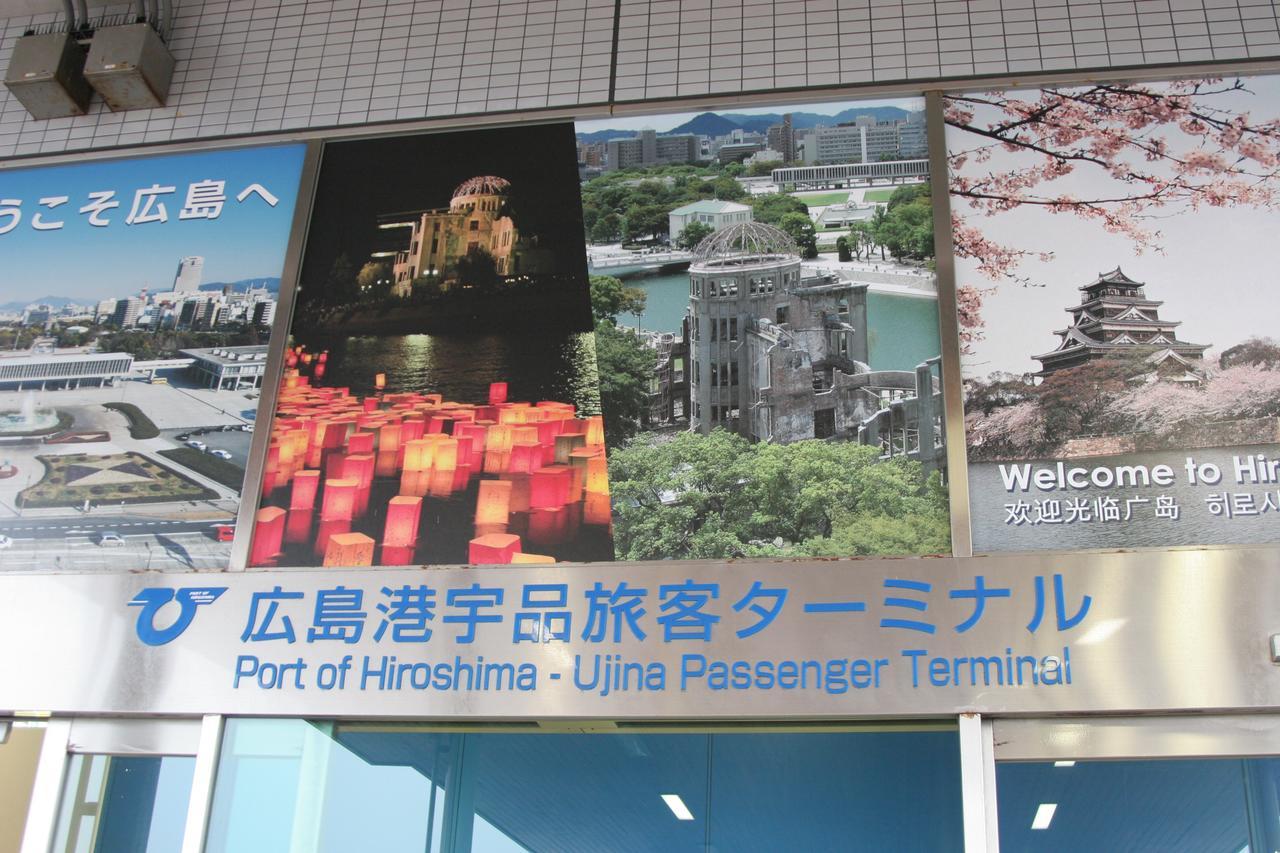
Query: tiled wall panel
(250, 66)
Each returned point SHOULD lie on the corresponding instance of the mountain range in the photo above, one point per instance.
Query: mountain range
(272, 284)
(720, 124)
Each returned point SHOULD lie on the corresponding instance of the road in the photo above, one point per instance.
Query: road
(148, 543)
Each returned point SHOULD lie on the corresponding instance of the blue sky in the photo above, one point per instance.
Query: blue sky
(88, 263)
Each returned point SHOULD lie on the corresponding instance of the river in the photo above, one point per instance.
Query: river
(536, 366)
(904, 329)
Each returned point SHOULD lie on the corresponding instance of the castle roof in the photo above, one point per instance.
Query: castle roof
(1116, 276)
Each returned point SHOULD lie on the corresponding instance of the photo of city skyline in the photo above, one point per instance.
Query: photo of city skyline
(129, 379)
(440, 403)
(767, 331)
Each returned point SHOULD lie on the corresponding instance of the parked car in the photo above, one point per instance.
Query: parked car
(246, 427)
(110, 539)
(184, 437)
(198, 445)
(221, 454)
(5, 541)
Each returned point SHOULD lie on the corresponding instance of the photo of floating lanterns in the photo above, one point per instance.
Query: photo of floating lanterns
(394, 479)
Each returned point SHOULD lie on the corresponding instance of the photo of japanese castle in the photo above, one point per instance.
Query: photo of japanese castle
(139, 298)
(440, 403)
(1116, 310)
(767, 331)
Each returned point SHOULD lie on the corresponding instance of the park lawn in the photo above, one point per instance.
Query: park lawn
(72, 479)
(823, 199)
(881, 194)
(220, 470)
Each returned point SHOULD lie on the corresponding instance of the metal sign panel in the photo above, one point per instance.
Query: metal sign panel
(1031, 634)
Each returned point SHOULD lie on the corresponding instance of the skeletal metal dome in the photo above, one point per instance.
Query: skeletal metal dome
(750, 242)
(482, 185)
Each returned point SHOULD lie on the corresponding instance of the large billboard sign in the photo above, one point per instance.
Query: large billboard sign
(138, 301)
(440, 402)
(876, 638)
(767, 331)
(1116, 255)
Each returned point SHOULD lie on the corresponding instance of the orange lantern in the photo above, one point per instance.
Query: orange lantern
(403, 514)
(268, 535)
(493, 503)
(497, 393)
(380, 381)
(494, 549)
(349, 549)
(339, 501)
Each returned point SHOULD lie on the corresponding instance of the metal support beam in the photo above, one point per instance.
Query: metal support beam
(978, 785)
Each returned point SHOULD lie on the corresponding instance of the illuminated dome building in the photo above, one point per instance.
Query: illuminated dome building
(476, 219)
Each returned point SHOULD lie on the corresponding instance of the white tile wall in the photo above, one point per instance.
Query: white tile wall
(247, 66)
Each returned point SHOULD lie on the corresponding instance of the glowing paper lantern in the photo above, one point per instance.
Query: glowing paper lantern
(596, 509)
(493, 503)
(326, 531)
(402, 556)
(517, 559)
(339, 501)
(598, 475)
(497, 394)
(526, 457)
(380, 381)
(349, 549)
(297, 529)
(403, 514)
(305, 486)
(595, 431)
(495, 549)
(549, 487)
(360, 442)
(268, 535)
(566, 444)
(547, 526)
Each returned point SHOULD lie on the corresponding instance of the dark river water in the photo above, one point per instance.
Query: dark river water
(536, 366)
(1196, 524)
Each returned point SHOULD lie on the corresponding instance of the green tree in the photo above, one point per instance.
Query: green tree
(646, 221)
(842, 249)
(727, 189)
(606, 297)
(800, 227)
(634, 300)
(374, 280)
(340, 284)
(607, 229)
(771, 207)
(693, 234)
(625, 367)
(879, 229)
(733, 170)
(478, 269)
(719, 496)
(860, 238)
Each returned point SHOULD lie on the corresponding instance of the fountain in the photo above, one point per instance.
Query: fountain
(28, 419)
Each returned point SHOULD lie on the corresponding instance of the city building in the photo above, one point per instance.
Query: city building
(648, 148)
(190, 274)
(710, 212)
(865, 140)
(1115, 320)
(477, 218)
(779, 353)
(782, 139)
(227, 368)
(127, 311)
(62, 369)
